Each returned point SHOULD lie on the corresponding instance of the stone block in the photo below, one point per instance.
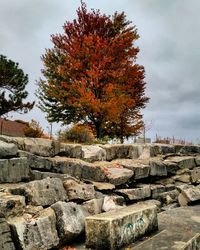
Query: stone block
(78, 191)
(118, 228)
(171, 167)
(71, 150)
(7, 150)
(42, 147)
(11, 205)
(42, 192)
(38, 233)
(70, 219)
(183, 161)
(93, 206)
(93, 153)
(189, 195)
(6, 242)
(195, 175)
(135, 194)
(157, 168)
(110, 203)
(156, 190)
(14, 170)
(38, 175)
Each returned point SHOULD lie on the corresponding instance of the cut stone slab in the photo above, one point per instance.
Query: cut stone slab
(158, 168)
(140, 168)
(11, 205)
(93, 153)
(38, 233)
(178, 229)
(43, 192)
(135, 194)
(165, 149)
(42, 147)
(156, 190)
(183, 161)
(94, 206)
(147, 151)
(117, 228)
(14, 170)
(171, 167)
(102, 186)
(71, 150)
(7, 150)
(79, 191)
(70, 219)
(6, 242)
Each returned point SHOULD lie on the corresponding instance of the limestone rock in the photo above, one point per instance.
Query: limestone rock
(195, 175)
(171, 167)
(169, 197)
(6, 242)
(185, 178)
(102, 186)
(147, 151)
(135, 194)
(115, 229)
(152, 202)
(189, 194)
(183, 161)
(71, 150)
(93, 153)
(197, 160)
(110, 203)
(165, 149)
(41, 147)
(158, 168)
(120, 151)
(14, 170)
(70, 219)
(77, 190)
(140, 168)
(94, 206)
(156, 190)
(43, 192)
(7, 150)
(11, 205)
(38, 175)
(38, 233)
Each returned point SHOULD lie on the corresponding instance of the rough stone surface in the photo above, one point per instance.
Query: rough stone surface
(120, 151)
(7, 150)
(6, 242)
(169, 197)
(102, 186)
(157, 168)
(38, 233)
(71, 150)
(183, 161)
(41, 147)
(156, 190)
(118, 228)
(189, 194)
(38, 175)
(11, 205)
(14, 170)
(70, 219)
(140, 168)
(43, 192)
(171, 167)
(77, 190)
(92, 153)
(94, 206)
(195, 175)
(110, 203)
(135, 194)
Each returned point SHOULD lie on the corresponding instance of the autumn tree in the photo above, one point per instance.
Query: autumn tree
(91, 73)
(12, 87)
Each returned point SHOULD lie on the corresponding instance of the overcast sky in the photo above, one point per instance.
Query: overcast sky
(169, 50)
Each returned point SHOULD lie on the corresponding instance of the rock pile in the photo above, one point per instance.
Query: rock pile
(47, 188)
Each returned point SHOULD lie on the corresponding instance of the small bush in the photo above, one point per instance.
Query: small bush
(79, 133)
(33, 129)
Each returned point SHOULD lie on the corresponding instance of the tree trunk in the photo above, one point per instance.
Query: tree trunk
(98, 127)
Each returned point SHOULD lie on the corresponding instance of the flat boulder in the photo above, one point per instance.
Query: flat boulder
(115, 229)
(183, 161)
(7, 150)
(14, 170)
(71, 150)
(189, 195)
(70, 219)
(38, 232)
(42, 192)
(157, 168)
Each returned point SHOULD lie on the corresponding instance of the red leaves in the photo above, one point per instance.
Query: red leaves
(92, 68)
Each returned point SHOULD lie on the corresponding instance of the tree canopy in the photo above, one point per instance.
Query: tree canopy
(12, 87)
(91, 74)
